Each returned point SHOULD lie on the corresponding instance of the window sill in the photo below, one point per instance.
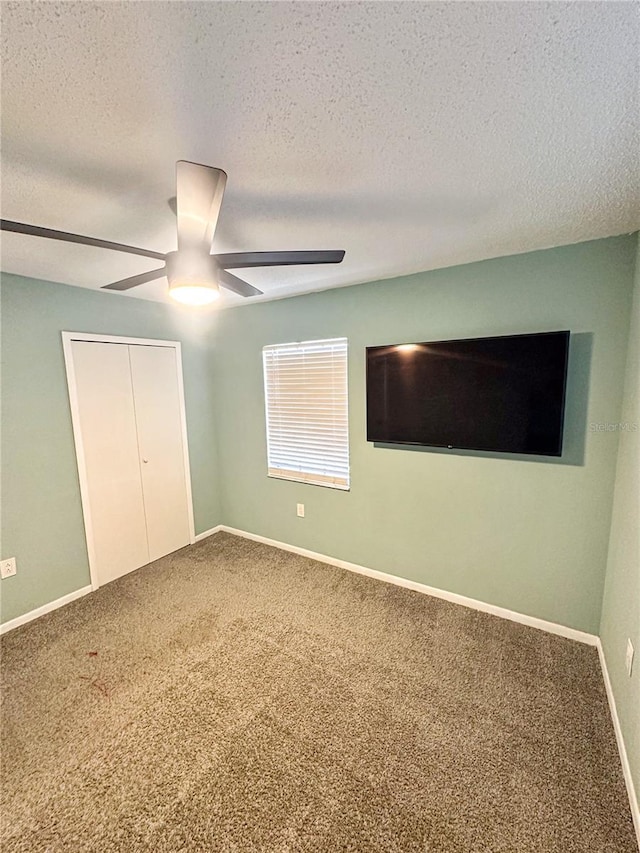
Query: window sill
(339, 486)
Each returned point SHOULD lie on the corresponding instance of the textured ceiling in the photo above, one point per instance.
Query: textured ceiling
(412, 135)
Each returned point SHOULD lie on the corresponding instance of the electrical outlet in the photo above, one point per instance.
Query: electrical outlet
(628, 662)
(8, 567)
(300, 510)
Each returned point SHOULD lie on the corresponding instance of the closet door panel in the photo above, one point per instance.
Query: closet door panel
(110, 446)
(156, 394)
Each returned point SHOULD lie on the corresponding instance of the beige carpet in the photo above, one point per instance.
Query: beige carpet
(232, 697)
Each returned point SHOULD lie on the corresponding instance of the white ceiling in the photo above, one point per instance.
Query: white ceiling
(412, 135)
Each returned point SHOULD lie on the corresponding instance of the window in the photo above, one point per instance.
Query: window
(306, 401)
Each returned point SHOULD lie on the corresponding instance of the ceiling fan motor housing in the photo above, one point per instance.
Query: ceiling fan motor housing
(191, 267)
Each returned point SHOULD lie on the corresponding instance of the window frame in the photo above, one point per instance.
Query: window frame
(309, 478)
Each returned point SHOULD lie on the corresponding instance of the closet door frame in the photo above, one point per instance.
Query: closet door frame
(67, 340)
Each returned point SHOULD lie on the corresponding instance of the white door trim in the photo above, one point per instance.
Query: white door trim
(67, 340)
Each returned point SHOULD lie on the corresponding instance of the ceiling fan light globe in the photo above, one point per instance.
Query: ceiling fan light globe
(190, 294)
(192, 276)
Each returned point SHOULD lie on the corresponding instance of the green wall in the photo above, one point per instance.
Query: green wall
(528, 535)
(41, 513)
(621, 605)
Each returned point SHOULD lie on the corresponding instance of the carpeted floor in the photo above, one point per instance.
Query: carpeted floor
(233, 697)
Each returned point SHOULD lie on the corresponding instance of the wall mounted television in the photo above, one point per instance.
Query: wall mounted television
(504, 394)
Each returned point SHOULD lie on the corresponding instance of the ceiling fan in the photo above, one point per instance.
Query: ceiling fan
(194, 274)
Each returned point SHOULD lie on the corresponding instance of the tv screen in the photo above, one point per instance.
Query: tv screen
(503, 394)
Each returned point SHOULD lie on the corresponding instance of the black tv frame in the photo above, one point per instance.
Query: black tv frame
(565, 332)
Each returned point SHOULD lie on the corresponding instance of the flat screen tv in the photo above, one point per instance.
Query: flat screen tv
(503, 394)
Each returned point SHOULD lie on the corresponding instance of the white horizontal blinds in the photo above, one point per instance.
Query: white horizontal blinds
(306, 406)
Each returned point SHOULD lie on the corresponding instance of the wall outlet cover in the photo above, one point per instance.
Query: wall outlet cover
(629, 657)
(8, 567)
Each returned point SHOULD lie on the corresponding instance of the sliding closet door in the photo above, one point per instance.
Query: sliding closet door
(110, 447)
(154, 374)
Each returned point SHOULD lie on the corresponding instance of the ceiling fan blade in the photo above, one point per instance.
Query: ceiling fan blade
(135, 280)
(236, 260)
(237, 285)
(65, 236)
(199, 191)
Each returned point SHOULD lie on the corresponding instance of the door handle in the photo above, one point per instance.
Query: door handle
(145, 461)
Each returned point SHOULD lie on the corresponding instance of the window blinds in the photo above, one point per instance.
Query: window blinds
(307, 412)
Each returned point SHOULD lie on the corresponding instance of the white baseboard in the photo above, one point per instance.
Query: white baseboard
(531, 621)
(512, 615)
(46, 608)
(206, 533)
(624, 758)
